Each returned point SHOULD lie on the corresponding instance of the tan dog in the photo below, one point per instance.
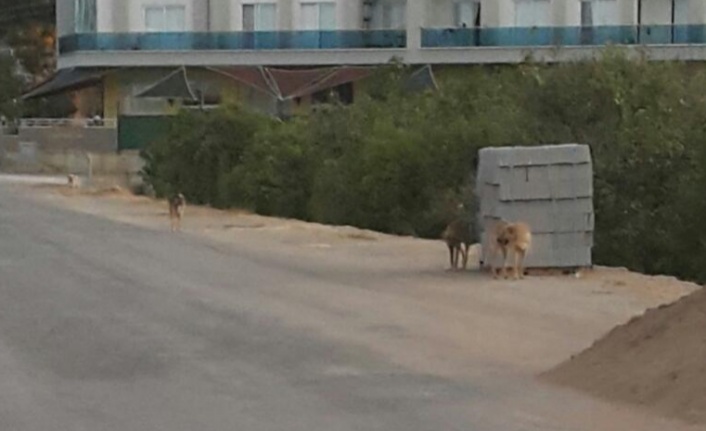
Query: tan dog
(515, 237)
(72, 180)
(177, 205)
(457, 236)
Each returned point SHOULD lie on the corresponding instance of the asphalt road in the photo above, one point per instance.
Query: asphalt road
(106, 326)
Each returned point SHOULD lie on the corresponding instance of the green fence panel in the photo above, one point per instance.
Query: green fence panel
(137, 132)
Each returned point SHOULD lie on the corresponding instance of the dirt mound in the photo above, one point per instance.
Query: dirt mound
(657, 360)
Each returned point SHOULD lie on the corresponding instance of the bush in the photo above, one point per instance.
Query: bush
(275, 175)
(200, 149)
(400, 163)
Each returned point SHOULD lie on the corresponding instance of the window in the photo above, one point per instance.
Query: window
(318, 16)
(260, 17)
(680, 12)
(389, 14)
(85, 18)
(165, 18)
(599, 13)
(532, 13)
(467, 13)
(393, 15)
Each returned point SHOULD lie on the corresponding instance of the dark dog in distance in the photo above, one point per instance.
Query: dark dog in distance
(177, 205)
(458, 239)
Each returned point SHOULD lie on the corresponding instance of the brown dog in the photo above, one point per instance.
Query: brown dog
(72, 180)
(457, 236)
(515, 237)
(177, 205)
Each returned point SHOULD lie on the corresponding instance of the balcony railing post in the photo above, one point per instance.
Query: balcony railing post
(415, 21)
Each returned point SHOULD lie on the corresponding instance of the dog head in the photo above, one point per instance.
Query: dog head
(507, 233)
(177, 198)
(503, 240)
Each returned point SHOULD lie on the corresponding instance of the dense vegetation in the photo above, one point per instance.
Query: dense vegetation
(27, 28)
(398, 162)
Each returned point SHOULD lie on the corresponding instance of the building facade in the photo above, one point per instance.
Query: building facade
(110, 52)
(332, 32)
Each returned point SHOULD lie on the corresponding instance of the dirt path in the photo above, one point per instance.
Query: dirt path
(400, 299)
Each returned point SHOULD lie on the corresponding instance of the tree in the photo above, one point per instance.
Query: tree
(10, 87)
(28, 28)
(14, 13)
(33, 46)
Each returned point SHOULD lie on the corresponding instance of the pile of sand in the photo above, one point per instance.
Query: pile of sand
(657, 360)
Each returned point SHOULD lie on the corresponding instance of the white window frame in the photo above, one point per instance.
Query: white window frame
(80, 26)
(600, 17)
(458, 19)
(257, 6)
(164, 7)
(381, 19)
(684, 7)
(319, 4)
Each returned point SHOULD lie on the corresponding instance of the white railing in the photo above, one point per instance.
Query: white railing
(29, 123)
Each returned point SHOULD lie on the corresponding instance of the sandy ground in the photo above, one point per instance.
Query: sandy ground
(655, 360)
(466, 323)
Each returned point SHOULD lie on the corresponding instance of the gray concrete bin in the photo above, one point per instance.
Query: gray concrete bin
(549, 187)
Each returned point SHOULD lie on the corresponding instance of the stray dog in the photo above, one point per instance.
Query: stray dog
(515, 237)
(177, 205)
(457, 236)
(73, 181)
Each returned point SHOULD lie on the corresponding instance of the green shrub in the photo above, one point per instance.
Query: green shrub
(400, 163)
(200, 149)
(275, 175)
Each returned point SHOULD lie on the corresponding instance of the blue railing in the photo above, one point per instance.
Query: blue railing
(187, 41)
(563, 36)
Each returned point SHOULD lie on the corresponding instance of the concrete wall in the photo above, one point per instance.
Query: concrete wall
(65, 17)
(439, 13)
(221, 14)
(656, 11)
(103, 169)
(48, 139)
(697, 12)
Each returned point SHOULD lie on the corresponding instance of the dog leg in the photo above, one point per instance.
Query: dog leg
(494, 261)
(521, 263)
(465, 255)
(504, 269)
(451, 257)
(516, 263)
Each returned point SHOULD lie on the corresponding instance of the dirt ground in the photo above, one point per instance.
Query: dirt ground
(657, 360)
(519, 328)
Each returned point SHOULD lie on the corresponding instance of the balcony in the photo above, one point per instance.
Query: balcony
(563, 36)
(233, 41)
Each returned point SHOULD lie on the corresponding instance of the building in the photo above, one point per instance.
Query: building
(332, 32)
(122, 48)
